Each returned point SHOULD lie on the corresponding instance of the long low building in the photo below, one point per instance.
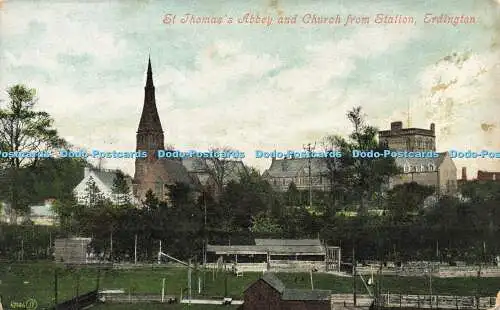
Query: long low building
(278, 252)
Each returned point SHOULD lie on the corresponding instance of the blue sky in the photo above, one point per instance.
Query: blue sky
(254, 86)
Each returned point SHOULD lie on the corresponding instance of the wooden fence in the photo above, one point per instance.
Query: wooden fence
(436, 302)
(78, 302)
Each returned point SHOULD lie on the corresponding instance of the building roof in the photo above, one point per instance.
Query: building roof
(41, 211)
(200, 167)
(304, 295)
(436, 161)
(291, 167)
(288, 242)
(273, 246)
(176, 172)
(293, 294)
(107, 177)
(274, 282)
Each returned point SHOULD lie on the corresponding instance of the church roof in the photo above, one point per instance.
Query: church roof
(175, 172)
(200, 167)
(291, 167)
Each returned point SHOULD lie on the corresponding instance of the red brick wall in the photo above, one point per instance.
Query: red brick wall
(261, 296)
(488, 176)
(305, 305)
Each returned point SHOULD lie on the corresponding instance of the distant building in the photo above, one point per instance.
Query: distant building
(408, 139)
(43, 214)
(283, 172)
(270, 293)
(72, 250)
(104, 180)
(488, 176)
(440, 172)
(279, 254)
(204, 171)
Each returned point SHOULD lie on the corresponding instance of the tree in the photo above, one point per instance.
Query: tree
(93, 195)
(293, 195)
(264, 223)
(120, 189)
(23, 129)
(220, 169)
(406, 198)
(363, 177)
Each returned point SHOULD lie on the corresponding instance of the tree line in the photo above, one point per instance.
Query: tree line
(415, 223)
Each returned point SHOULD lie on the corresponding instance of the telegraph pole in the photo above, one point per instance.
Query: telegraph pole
(309, 149)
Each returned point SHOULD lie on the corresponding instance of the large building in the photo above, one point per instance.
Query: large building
(283, 172)
(408, 139)
(153, 173)
(439, 172)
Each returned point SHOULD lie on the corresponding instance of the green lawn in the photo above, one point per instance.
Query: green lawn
(39, 284)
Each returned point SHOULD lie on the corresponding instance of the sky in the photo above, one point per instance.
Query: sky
(254, 86)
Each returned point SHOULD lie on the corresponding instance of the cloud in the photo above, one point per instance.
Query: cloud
(459, 94)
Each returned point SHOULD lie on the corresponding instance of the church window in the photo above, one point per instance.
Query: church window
(432, 167)
(274, 181)
(422, 168)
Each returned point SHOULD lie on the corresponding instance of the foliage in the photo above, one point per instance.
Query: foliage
(264, 223)
(23, 129)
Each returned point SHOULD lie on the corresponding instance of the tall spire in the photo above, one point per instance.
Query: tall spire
(149, 80)
(150, 120)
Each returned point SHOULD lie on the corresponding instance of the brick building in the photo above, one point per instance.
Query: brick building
(270, 293)
(488, 176)
(153, 173)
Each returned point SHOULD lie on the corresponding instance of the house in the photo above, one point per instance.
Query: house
(104, 180)
(283, 172)
(270, 293)
(439, 172)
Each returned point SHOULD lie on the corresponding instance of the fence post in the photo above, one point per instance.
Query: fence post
(400, 300)
(418, 301)
(456, 302)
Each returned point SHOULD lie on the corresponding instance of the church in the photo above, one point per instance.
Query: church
(152, 173)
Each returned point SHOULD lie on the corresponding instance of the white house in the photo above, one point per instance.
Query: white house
(104, 180)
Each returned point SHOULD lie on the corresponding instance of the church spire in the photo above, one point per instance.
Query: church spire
(150, 120)
(149, 79)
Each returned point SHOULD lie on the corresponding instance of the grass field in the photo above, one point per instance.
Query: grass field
(162, 306)
(36, 280)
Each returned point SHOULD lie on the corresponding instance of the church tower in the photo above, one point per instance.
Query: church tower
(153, 173)
(149, 136)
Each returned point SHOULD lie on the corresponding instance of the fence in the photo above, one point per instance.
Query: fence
(436, 302)
(78, 302)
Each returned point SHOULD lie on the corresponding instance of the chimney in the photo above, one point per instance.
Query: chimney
(86, 172)
(396, 126)
(433, 127)
(464, 173)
